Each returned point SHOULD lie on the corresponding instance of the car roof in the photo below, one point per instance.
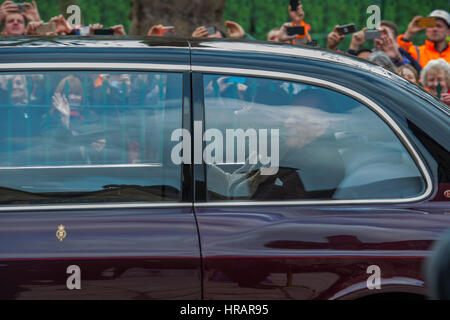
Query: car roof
(228, 45)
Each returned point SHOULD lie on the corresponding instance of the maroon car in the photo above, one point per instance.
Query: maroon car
(181, 169)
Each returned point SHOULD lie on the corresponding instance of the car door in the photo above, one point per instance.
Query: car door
(92, 205)
(317, 213)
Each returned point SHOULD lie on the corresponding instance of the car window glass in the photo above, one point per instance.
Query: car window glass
(83, 137)
(329, 146)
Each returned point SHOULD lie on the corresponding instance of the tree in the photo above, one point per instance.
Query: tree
(185, 15)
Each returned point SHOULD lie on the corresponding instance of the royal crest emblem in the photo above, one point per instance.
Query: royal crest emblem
(61, 233)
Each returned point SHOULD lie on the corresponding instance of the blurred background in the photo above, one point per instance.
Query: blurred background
(257, 17)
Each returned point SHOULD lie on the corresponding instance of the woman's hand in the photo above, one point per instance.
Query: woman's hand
(445, 97)
(62, 105)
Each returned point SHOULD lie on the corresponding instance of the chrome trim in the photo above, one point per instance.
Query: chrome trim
(93, 66)
(294, 51)
(339, 88)
(149, 165)
(66, 207)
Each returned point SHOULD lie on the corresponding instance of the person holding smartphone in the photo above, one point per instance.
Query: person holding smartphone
(436, 46)
(15, 18)
(388, 44)
(296, 31)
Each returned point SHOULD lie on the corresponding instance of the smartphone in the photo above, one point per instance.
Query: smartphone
(103, 32)
(84, 31)
(427, 22)
(294, 5)
(372, 34)
(46, 28)
(211, 30)
(162, 31)
(439, 90)
(347, 29)
(21, 6)
(292, 31)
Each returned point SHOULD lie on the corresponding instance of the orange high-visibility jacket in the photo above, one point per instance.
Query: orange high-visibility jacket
(424, 54)
(301, 38)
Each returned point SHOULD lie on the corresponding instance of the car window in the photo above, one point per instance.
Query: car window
(85, 137)
(279, 140)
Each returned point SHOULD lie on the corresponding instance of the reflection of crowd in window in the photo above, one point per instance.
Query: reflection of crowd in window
(85, 118)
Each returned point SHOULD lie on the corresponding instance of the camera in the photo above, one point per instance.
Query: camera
(21, 6)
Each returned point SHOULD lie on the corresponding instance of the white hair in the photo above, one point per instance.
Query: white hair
(382, 59)
(435, 66)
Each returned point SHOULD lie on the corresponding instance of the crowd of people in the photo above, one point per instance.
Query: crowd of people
(426, 65)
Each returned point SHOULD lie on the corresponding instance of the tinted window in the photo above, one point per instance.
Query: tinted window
(329, 146)
(88, 137)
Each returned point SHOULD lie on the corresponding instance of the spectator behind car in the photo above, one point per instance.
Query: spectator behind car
(15, 25)
(202, 32)
(234, 31)
(159, 31)
(364, 54)
(391, 26)
(272, 36)
(381, 58)
(436, 46)
(15, 21)
(358, 39)
(297, 20)
(409, 73)
(435, 74)
(334, 39)
(388, 44)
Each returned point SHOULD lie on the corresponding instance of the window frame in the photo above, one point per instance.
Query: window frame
(186, 198)
(294, 77)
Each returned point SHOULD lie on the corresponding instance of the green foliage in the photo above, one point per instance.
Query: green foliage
(258, 17)
(108, 13)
